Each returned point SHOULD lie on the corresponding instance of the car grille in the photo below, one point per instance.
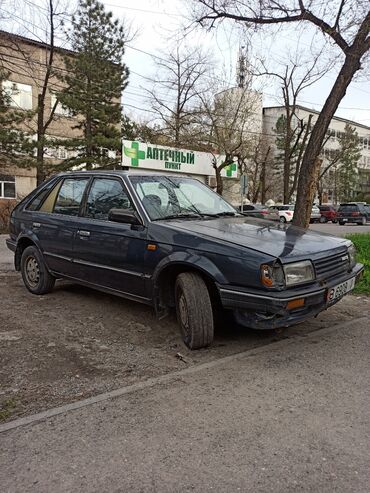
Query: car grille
(332, 265)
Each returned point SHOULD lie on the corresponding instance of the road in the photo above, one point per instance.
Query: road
(293, 416)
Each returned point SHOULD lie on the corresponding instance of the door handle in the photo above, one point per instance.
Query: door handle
(84, 233)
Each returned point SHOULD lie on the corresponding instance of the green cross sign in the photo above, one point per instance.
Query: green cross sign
(134, 153)
(230, 168)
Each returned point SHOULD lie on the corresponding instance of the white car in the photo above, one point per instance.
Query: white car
(285, 212)
(315, 214)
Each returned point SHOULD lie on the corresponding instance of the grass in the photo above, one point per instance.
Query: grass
(362, 244)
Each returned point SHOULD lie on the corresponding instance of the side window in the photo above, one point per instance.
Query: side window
(42, 202)
(106, 194)
(70, 196)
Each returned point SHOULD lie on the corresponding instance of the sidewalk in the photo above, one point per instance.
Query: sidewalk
(290, 416)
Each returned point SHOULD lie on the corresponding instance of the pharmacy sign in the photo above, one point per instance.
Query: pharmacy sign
(161, 158)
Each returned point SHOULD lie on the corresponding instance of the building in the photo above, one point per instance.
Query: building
(336, 129)
(24, 61)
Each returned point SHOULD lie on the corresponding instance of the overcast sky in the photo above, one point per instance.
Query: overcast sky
(159, 22)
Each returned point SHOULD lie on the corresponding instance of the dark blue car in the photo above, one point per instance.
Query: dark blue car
(170, 241)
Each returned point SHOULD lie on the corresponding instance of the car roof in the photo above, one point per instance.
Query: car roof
(118, 172)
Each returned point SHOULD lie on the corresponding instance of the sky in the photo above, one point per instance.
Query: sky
(158, 23)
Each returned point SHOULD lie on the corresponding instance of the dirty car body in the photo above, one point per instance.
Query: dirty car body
(171, 241)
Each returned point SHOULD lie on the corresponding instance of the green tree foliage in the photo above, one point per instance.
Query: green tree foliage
(95, 77)
(16, 148)
(347, 172)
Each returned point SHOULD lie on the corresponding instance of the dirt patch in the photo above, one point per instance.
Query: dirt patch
(76, 342)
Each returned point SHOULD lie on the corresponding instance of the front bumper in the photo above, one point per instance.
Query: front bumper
(259, 309)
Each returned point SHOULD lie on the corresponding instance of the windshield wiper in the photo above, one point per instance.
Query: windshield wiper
(179, 216)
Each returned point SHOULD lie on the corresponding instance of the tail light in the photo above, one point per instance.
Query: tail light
(288, 213)
(264, 212)
(355, 213)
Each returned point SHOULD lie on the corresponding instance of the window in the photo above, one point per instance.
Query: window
(60, 109)
(106, 194)
(40, 198)
(20, 95)
(7, 187)
(163, 196)
(70, 196)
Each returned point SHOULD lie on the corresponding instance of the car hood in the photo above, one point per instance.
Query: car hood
(275, 239)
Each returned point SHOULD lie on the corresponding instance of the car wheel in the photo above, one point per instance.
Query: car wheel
(323, 219)
(341, 223)
(334, 221)
(282, 219)
(194, 310)
(34, 272)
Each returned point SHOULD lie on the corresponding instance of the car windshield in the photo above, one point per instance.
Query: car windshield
(166, 197)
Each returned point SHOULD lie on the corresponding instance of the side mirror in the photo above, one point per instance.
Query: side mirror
(123, 216)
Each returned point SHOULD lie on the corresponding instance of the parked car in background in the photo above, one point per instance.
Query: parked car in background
(285, 212)
(315, 214)
(171, 242)
(260, 211)
(328, 213)
(353, 212)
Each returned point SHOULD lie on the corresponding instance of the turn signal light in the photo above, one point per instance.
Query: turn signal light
(298, 303)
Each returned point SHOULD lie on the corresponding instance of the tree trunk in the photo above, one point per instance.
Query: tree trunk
(219, 183)
(311, 164)
(40, 175)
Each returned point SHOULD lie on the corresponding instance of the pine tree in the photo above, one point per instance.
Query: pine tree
(95, 77)
(16, 148)
(347, 173)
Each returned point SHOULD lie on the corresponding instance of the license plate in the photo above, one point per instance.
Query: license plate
(340, 290)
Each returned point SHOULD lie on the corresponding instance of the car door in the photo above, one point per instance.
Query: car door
(56, 221)
(110, 254)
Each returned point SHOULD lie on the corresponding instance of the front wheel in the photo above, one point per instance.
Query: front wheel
(323, 219)
(341, 223)
(35, 275)
(282, 219)
(194, 310)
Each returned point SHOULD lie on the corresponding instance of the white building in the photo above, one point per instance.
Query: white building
(337, 126)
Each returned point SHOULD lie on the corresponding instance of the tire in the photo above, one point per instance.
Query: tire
(323, 219)
(34, 272)
(341, 223)
(194, 310)
(334, 221)
(282, 219)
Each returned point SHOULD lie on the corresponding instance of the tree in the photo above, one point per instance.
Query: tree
(345, 22)
(15, 146)
(350, 154)
(95, 77)
(343, 161)
(22, 62)
(228, 126)
(175, 94)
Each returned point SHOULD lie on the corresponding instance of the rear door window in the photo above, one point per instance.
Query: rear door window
(70, 196)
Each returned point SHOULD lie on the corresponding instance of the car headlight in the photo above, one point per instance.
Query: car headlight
(272, 275)
(352, 255)
(298, 272)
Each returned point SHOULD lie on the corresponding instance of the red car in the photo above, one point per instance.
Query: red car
(328, 213)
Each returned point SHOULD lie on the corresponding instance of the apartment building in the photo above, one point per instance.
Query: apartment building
(24, 60)
(336, 129)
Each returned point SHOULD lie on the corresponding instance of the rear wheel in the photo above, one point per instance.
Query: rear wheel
(341, 223)
(34, 272)
(323, 219)
(194, 310)
(282, 219)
